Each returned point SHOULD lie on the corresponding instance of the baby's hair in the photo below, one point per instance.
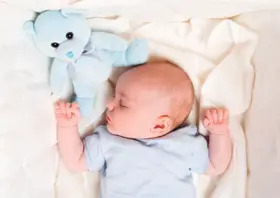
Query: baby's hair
(175, 85)
(185, 90)
(179, 87)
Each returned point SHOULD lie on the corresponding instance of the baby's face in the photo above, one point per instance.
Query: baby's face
(134, 109)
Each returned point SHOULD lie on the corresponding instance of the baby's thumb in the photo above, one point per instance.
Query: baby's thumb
(78, 114)
(206, 122)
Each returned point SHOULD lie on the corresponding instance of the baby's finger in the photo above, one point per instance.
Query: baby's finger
(58, 111)
(68, 110)
(60, 102)
(78, 114)
(56, 106)
(62, 106)
(206, 122)
(74, 111)
(225, 114)
(214, 115)
(220, 115)
(209, 116)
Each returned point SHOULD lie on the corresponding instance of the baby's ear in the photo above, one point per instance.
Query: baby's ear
(162, 125)
(28, 27)
(68, 12)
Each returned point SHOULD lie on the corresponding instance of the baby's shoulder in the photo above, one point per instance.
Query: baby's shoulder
(106, 137)
(183, 133)
(188, 130)
(102, 131)
(185, 137)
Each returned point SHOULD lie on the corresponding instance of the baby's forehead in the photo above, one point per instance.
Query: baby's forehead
(164, 78)
(148, 83)
(141, 90)
(148, 75)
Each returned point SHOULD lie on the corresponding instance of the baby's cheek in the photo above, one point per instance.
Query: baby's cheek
(126, 118)
(121, 119)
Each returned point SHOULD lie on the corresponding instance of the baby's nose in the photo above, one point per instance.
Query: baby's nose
(110, 105)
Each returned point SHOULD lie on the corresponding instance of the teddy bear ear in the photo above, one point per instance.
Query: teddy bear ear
(68, 11)
(28, 27)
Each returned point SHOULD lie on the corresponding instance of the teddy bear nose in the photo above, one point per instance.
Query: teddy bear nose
(70, 54)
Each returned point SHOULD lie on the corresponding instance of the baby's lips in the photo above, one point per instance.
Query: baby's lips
(108, 119)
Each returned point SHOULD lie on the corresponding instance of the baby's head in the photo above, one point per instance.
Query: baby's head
(150, 101)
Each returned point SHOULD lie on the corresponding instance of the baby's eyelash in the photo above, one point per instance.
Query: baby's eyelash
(122, 105)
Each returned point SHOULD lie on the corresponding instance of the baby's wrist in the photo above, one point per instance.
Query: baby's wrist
(224, 131)
(218, 134)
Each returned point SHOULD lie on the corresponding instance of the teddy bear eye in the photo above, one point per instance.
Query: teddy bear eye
(69, 35)
(55, 45)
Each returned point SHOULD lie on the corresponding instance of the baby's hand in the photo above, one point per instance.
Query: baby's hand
(67, 114)
(216, 121)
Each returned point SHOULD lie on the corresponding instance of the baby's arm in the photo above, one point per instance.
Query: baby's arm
(70, 145)
(220, 144)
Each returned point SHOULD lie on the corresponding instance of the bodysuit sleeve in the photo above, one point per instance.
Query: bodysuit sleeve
(93, 152)
(196, 151)
(199, 161)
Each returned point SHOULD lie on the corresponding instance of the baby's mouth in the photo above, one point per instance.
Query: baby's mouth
(108, 119)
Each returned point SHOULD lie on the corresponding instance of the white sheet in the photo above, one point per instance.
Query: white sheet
(30, 165)
(155, 10)
(27, 135)
(175, 10)
(263, 118)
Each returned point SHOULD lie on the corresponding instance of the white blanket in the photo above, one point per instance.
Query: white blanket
(216, 54)
(155, 10)
(263, 118)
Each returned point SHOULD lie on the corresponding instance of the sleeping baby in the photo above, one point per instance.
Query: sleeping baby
(144, 150)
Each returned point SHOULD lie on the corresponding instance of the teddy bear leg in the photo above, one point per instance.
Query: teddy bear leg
(86, 105)
(137, 52)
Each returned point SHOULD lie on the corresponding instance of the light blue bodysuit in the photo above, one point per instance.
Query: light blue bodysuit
(147, 168)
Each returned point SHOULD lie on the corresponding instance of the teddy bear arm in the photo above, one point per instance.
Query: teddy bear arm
(60, 81)
(107, 41)
(136, 53)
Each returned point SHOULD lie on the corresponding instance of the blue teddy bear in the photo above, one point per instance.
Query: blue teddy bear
(82, 59)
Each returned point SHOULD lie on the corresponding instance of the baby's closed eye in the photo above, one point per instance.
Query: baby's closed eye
(123, 105)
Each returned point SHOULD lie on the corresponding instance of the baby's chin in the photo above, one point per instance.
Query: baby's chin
(111, 129)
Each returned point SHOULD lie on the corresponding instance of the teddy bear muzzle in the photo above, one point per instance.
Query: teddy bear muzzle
(70, 50)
